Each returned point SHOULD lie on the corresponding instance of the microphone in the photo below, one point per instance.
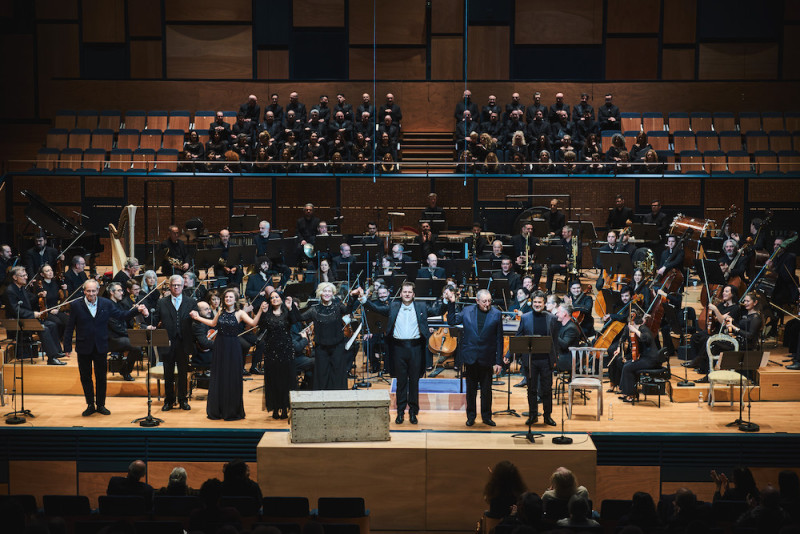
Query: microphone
(397, 214)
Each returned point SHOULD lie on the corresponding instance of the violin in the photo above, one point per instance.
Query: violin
(42, 299)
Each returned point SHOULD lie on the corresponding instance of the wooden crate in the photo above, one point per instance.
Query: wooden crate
(332, 416)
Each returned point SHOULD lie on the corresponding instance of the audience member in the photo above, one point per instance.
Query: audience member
(504, 487)
(642, 514)
(274, 108)
(466, 104)
(490, 107)
(298, 107)
(132, 483)
(608, 115)
(557, 107)
(744, 485)
(765, 516)
(177, 484)
(251, 110)
(211, 515)
(236, 481)
(563, 485)
(579, 512)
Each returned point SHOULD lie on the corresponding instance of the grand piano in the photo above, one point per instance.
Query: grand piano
(56, 225)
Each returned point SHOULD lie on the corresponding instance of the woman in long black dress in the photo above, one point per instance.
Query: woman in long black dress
(279, 374)
(225, 388)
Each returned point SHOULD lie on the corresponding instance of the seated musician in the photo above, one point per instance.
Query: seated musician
(192, 287)
(324, 274)
(39, 254)
(118, 340)
(176, 253)
(432, 271)
(433, 212)
(387, 266)
(226, 275)
(18, 304)
(566, 242)
(75, 276)
(525, 250)
(399, 255)
(151, 294)
(583, 303)
(507, 273)
(612, 245)
(568, 336)
(521, 302)
(719, 313)
(129, 270)
(783, 267)
(728, 254)
(426, 240)
(671, 258)
(259, 284)
(641, 287)
(303, 357)
(556, 220)
(476, 241)
(373, 238)
(203, 345)
(344, 258)
(496, 255)
(648, 359)
(47, 296)
(619, 349)
(619, 216)
(7, 260)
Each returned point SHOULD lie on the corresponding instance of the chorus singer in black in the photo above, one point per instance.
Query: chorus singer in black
(481, 349)
(89, 318)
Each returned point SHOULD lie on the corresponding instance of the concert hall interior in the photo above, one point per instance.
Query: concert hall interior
(309, 234)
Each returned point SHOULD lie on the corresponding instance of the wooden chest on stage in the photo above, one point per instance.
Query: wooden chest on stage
(346, 415)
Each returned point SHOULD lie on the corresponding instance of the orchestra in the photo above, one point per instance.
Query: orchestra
(622, 312)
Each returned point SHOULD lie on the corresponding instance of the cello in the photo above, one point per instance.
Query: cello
(613, 328)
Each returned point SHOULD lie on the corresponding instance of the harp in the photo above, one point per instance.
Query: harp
(123, 230)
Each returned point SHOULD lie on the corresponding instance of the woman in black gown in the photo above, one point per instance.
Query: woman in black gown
(279, 374)
(225, 388)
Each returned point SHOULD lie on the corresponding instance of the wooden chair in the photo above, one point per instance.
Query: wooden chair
(110, 119)
(80, 138)
(707, 140)
(756, 141)
(94, 158)
(173, 139)
(789, 161)
(678, 121)
(65, 119)
(103, 139)
(691, 161)
(792, 120)
(652, 120)
(749, 121)
(780, 140)
(765, 161)
(701, 121)
(71, 158)
(47, 158)
(343, 510)
(87, 119)
(739, 161)
(659, 139)
(730, 140)
(715, 161)
(724, 120)
(150, 138)
(772, 120)
(128, 138)
(587, 374)
(630, 121)
(683, 140)
(167, 160)
(144, 158)
(179, 120)
(157, 120)
(57, 138)
(135, 120)
(120, 159)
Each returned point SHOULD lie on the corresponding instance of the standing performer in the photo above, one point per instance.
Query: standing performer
(540, 323)
(225, 391)
(481, 349)
(90, 316)
(172, 313)
(275, 343)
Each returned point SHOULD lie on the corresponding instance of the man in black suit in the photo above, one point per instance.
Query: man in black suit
(539, 323)
(608, 115)
(556, 220)
(507, 273)
(172, 313)
(298, 107)
(481, 349)
(569, 335)
(619, 215)
(75, 276)
(671, 258)
(476, 242)
(38, 255)
(432, 271)
(132, 484)
(525, 243)
(18, 304)
(408, 333)
(118, 340)
(219, 125)
(657, 217)
(227, 274)
(307, 226)
(7, 260)
(90, 317)
(176, 250)
(128, 271)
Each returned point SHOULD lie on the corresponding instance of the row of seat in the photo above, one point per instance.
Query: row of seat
(704, 121)
(106, 139)
(96, 159)
(136, 119)
(727, 140)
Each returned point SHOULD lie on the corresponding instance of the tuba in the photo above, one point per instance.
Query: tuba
(127, 221)
(647, 264)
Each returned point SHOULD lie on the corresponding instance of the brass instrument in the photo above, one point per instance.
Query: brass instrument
(526, 267)
(647, 265)
(308, 250)
(174, 262)
(573, 263)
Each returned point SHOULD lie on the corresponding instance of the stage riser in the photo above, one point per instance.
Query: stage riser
(722, 394)
(780, 384)
(43, 379)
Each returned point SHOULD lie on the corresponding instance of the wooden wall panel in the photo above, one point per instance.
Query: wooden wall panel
(447, 16)
(748, 61)
(295, 192)
(771, 190)
(56, 10)
(447, 58)
(670, 191)
(497, 189)
(621, 482)
(95, 484)
(488, 52)
(720, 195)
(40, 478)
(539, 22)
(456, 199)
(316, 13)
(677, 64)
(769, 475)
(633, 16)
(398, 22)
(144, 18)
(632, 59)
(69, 188)
(245, 187)
(791, 53)
(196, 472)
(209, 52)
(210, 10)
(392, 63)
(680, 21)
(99, 186)
(591, 202)
(19, 102)
(103, 21)
(146, 59)
(59, 51)
(273, 64)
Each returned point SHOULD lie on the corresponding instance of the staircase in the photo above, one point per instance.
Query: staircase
(420, 148)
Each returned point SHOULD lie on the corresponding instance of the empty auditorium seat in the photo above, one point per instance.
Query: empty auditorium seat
(729, 140)
(203, 119)
(27, 502)
(765, 161)
(667, 157)
(749, 121)
(175, 506)
(652, 120)
(94, 158)
(173, 139)
(230, 116)
(724, 120)
(630, 138)
(135, 119)
(772, 120)
(707, 140)
(65, 118)
(246, 506)
(789, 161)
(57, 138)
(701, 121)
(796, 139)
(350, 510)
(179, 120)
(739, 161)
(144, 158)
(167, 160)
(150, 139)
(282, 508)
(157, 120)
(80, 138)
(630, 121)
(756, 141)
(46, 158)
(780, 140)
(162, 527)
(691, 161)
(65, 505)
(659, 139)
(128, 138)
(678, 121)
(792, 120)
(715, 161)
(121, 505)
(87, 118)
(103, 138)
(71, 158)
(110, 119)
(683, 140)
(120, 158)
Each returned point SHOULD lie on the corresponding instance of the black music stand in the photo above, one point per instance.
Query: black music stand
(540, 227)
(551, 254)
(585, 229)
(300, 292)
(528, 345)
(429, 287)
(709, 272)
(460, 269)
(149, 339)
(376, 325)
(645, 232)
(498, 287)
(243, 223)
(20, 326)
(616, 263)
(712, 246)
(743, 360)
(328, 243)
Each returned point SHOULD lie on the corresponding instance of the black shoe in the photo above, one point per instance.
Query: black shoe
(470, 421)
(284, 415)
(399, 419)
(55, 361)
(532, 421)
(256, 372)
(549, 420)
(275, 414)
(245, 372)
(185, 405)
(703, 380)
(413, 418)
(522, 384)
(89, 410)
(167, 406)
(62, 355)
(688, 364)
(489, 422)
(127, 378)
(794, 366)
(103, 410)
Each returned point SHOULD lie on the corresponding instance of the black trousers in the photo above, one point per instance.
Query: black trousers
(407, 358)
(50, 339)
(628, 381)
(479, 375)
(85, 362)
(540, 369)
(123, 344)
(176, 356)
(330, 366)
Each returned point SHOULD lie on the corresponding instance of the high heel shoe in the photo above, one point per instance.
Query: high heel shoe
(275, 414)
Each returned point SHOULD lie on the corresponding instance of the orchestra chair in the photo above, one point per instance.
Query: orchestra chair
(179, 120)
(730, 140)
(749, 121)
(724, 120)
(144, 159)
(289, 509)
(128, 138)
(174, 139)
(707, 140)
(343, 510)
(120, 159)
(150, 138)
(65, 119)
(167, 160)
(94, 158)
(587, 374)
(739, 161)
(122, 505)
(756, 141)
(700, 121)
(110, 119)
(46, 158)
(71, 158)
(87, 118)
(652, 121)
(630, 120)
(722, 377)
(772, 120)
(654, 381)
(175, 507)
(659, 139)
(135, 120)
(779, 140)
(27, 502)
(199, 375)
(157, 120)
(202, 120)
(765, 161)
(678, 121)
(683, 140)
(630, 138)
(159, 527)
(57, 138)
(789, 161)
